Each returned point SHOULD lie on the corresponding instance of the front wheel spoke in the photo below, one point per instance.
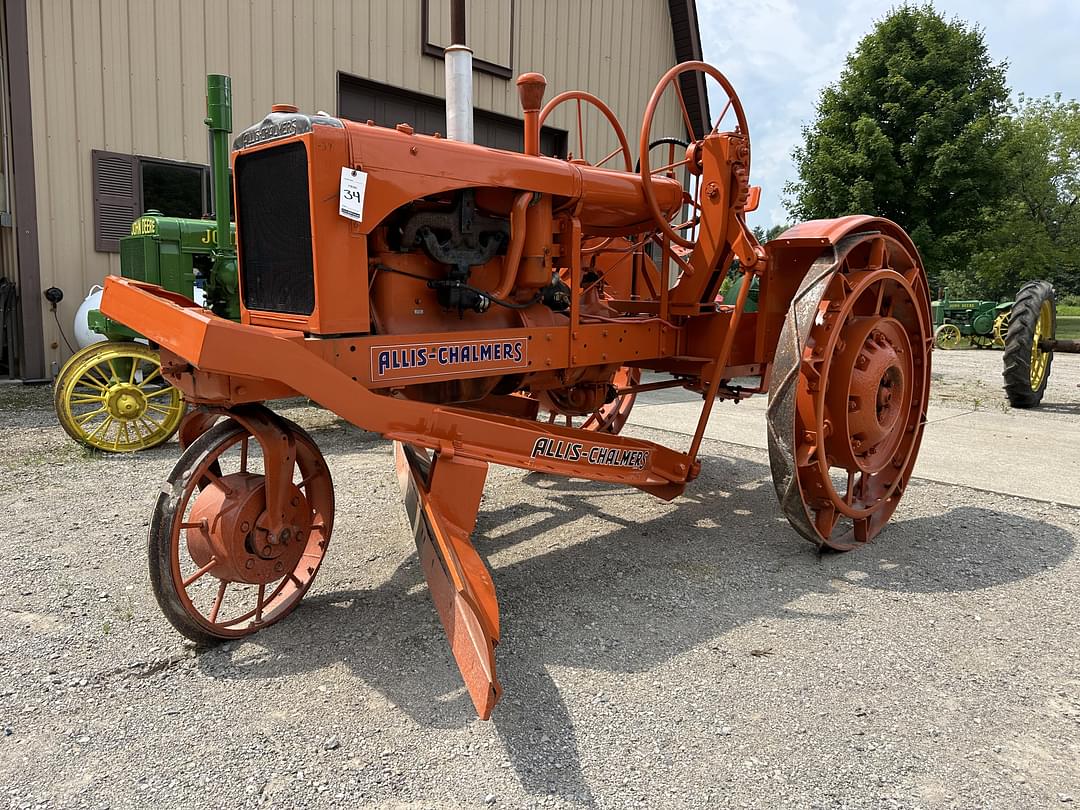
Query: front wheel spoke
(154, 407)
(101, 427)
(85, 399)
(97, 374)
(315, 475)
(82, 419)
(149, 425)
(244, 454)
(259, 603)
(202, 571)
(159, 392)
(155, 373)
(217, 601)
(90, 381)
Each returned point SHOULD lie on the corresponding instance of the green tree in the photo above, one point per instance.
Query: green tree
(911, 132)
(1034, 233)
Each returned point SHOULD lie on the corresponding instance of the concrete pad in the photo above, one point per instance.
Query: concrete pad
(1025, 453)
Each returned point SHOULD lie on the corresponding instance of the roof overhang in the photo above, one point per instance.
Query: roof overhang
(684, 28)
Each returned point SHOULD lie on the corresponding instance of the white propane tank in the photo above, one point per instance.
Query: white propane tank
(83, 336)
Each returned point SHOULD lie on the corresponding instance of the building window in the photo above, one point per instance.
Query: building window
(126, 186)
(174, 189)
(489, 31)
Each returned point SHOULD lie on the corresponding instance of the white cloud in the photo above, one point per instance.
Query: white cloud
(780, 54)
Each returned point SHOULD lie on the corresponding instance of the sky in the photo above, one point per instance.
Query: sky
(779, 54)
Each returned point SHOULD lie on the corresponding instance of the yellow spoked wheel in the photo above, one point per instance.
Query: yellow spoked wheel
(1001, 328)
(111, 396)
(1040, 360)
(947, 336)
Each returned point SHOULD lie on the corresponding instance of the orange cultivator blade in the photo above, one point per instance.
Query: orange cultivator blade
(442, 498)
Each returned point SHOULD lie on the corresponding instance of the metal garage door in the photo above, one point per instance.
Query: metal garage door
(362, 100)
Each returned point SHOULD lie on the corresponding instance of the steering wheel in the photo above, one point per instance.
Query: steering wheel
(580, 96)
(691, 158)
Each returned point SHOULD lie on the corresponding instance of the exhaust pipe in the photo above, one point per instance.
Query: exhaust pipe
(459, 108)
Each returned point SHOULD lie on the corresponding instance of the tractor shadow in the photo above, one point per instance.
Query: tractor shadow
(593, 576)
(1066, 408)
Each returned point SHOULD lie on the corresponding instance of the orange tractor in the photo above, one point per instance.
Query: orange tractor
(478, 307)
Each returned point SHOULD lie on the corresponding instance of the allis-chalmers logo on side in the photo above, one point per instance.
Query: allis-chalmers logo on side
(596, 454)
(426, 359)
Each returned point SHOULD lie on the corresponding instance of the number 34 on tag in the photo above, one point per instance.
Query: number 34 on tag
(351, 194)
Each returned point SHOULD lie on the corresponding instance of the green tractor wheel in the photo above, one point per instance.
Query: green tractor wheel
(1027, 367)
(947, 336)
(111, 396)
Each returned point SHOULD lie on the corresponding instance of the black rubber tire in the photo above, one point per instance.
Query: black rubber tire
(159, 540)
(1018, 344)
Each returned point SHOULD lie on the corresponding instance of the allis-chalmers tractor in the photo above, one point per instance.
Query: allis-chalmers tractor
(481, 307)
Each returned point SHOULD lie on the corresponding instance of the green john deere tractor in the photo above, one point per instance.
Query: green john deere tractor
(983, 323)
(111, 395)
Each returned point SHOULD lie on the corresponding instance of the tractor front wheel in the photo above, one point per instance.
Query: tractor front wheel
(216, 571)
(1027, 367)
(947, 336)
(111, 396)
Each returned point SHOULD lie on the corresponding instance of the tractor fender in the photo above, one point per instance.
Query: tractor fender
(821, 233)
(791, 254)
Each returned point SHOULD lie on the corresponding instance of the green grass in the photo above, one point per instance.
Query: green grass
(1068, 310)
(1068, 326)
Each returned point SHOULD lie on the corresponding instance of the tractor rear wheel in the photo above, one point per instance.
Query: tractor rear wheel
(851, 380)
(215, 571)
(608, 418)
(1033, 319)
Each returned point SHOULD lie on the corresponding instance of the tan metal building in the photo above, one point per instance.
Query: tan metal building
(103, 106)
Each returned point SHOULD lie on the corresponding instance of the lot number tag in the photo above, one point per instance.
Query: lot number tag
(351, 194)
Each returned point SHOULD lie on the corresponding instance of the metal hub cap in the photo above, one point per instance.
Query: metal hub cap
(125, 401)
(870, 392)
(231, 519)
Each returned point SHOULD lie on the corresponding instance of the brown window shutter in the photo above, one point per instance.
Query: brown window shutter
(116, 197)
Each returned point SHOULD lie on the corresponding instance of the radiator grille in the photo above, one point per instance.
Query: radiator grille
(274, 229)
(138, 258)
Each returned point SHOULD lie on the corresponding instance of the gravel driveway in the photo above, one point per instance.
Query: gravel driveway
(691, 654)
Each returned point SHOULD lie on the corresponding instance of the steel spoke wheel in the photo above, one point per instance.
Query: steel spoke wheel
(852, 376)
(111, 396)
(947, 336)
(579, 96)
(1001, 328)
(610, 417)
(683, 234)
(216, 572)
